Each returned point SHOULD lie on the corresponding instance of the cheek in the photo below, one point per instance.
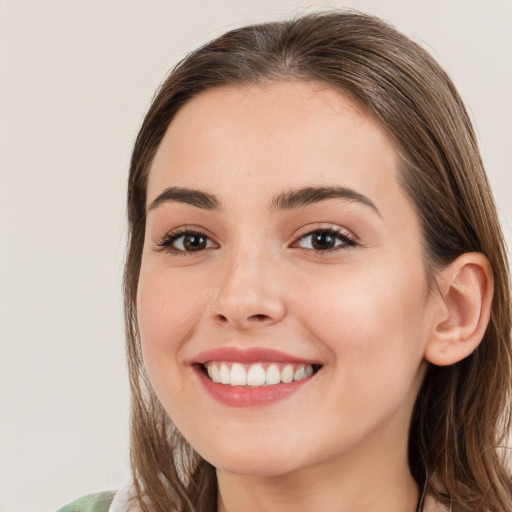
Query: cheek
(374, 333)
(368, 319)
(167, 313)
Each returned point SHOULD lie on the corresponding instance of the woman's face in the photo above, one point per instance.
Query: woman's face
(279, 243)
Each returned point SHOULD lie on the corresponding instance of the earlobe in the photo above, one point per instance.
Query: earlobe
(463, 310)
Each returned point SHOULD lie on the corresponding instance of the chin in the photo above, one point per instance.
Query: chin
(259, 461)
(262, 467)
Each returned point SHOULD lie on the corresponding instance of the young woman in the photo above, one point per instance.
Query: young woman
(317, 289)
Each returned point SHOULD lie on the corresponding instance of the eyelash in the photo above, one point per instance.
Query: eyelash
(346, 238)
(166, 243)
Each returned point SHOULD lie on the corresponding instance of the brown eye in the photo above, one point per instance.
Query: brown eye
(322, 241)
(325, 240)
(188, 241)
(194, 242)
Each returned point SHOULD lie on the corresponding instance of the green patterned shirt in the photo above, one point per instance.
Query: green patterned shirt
(99, 502)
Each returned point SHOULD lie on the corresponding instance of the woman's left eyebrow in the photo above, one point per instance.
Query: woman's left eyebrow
(309, 195)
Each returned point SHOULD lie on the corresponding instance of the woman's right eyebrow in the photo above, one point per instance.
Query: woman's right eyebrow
(186, 195)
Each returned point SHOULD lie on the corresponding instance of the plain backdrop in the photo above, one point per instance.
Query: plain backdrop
(75, 80)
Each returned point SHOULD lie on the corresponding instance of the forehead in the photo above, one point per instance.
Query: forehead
(272, 134)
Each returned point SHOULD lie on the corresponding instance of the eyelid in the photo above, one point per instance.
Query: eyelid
(164, 243)
(350, 240)
(321, 226)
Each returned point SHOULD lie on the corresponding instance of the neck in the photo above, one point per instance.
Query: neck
(363, 483)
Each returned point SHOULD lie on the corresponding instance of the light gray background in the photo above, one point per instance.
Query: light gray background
(75, 80)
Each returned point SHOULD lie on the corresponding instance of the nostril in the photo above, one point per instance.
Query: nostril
(259, 318)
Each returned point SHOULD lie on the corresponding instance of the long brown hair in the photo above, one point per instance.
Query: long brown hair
(461, 417)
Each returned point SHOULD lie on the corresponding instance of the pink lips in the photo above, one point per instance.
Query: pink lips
(248, 356)
(242, 396)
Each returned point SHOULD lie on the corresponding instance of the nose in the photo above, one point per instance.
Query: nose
(248, 294)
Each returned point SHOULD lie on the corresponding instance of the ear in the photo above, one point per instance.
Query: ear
(462, 311)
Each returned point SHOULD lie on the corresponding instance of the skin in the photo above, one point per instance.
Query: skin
(363, 311)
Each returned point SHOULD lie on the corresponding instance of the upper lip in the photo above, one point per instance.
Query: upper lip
(249, 356)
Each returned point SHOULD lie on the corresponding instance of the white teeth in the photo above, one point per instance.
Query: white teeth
(238, 375)
(299, 374)
(287, 374)
(273, 375)
(225, 374)
(213, 373)
(255, 375)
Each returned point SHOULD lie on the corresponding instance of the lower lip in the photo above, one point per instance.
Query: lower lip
(238, 396)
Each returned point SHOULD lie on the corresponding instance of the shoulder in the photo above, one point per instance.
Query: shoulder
(99, 502)
(124, 500)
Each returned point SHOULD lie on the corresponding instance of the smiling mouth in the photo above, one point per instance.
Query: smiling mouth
(257, 374)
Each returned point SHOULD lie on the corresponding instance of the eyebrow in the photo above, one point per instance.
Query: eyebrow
(283, 201)
(310, 195)
(186, 195)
